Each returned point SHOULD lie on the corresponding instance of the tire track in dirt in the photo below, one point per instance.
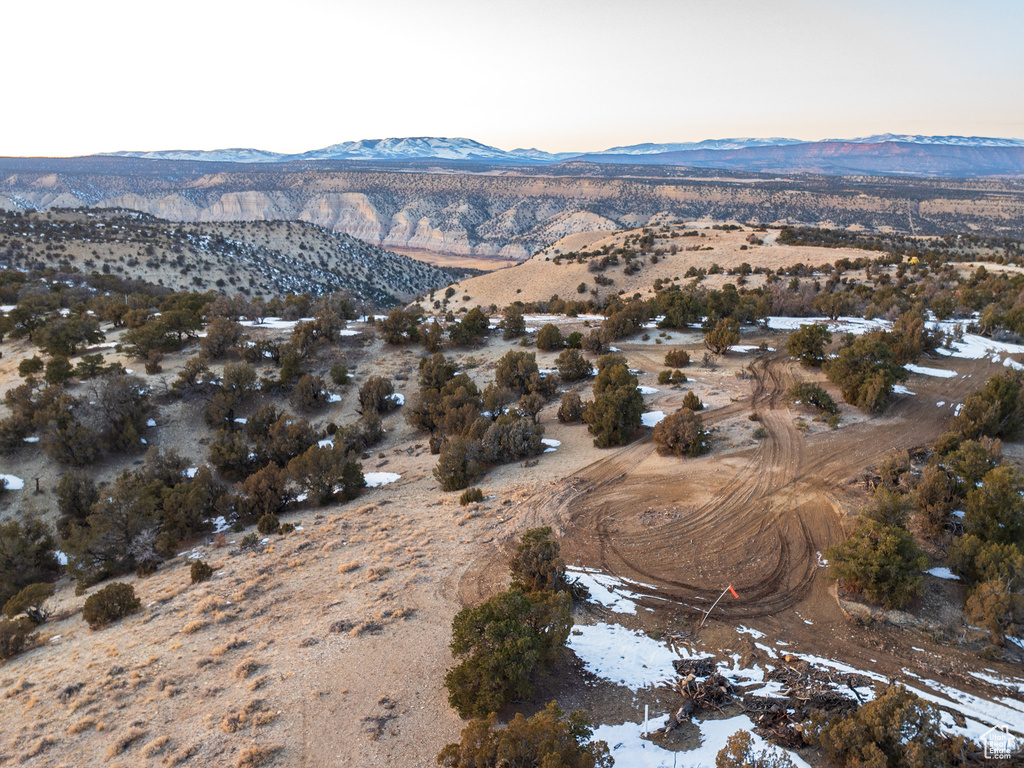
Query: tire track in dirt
(754, 527)
(755, 518)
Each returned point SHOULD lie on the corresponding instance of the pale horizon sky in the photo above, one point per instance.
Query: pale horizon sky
(558, 75)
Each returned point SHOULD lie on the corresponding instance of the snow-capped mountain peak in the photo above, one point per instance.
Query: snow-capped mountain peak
(955, 141)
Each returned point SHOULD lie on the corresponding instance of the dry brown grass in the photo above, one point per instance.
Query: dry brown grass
(156, 747)
(37, 749)
(245, 669)
(254, 757)
(209, 604)
(233, 721)
(19, 687)
(195, 626)
(81, 725)
(234, 642)
(348, 567)
(258, 683)
(179, 757)
(123, 742)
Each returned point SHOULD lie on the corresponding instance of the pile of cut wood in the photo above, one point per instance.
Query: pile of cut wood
(711, 692)
(806, 690)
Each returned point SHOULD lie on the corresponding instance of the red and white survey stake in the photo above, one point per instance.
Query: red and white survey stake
(709, 610)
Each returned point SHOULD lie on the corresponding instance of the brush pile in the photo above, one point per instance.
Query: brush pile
(710, 693)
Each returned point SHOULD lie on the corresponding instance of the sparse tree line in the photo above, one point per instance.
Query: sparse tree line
(965, 500)
(259, 464)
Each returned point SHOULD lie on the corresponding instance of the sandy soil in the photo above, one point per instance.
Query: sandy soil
(538, 279)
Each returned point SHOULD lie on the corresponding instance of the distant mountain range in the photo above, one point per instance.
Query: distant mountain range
(885, 154)
(433, 148)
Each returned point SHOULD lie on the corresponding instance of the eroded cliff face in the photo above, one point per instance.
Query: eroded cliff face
(452, 214)
(509, 215)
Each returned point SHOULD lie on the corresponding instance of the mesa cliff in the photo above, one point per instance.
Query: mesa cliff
(504, 213)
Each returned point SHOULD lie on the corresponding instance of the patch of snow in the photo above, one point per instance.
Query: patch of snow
(767, 649)
(191, 471)
(348, 332)
(899, 389)
(754, 633)
(629, 748)
(652, 418)
(333, 398)
(276, 323)
(941, 373)
(621, 655)
(940, 403)
(241, 420)
(1016, 683)
(943, 573)
(648, 390)
(973, 347)
(614, 349)
(326, 443)
(302, 497)
(377, 479)
(397, 398)
(747, 348)
(13, 482)
(854, 325)
(551, 443)
(32, 439)
(61, 557)
(220, 524)
(980, 713)
(152, 422)
(605, 589)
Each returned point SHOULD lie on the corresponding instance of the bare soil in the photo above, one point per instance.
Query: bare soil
(332, 642)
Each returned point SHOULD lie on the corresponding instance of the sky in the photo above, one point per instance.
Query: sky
(558, 75)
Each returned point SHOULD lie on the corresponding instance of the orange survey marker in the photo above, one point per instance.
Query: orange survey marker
(709, 610)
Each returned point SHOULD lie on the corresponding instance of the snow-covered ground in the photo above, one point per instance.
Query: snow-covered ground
(13, 482)
(629, 748)
(923, 370)
(550, 444)
(376, 479)
(636, 661)
(621, 655)
(610, 591)
(652, 418)
(275, 323)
